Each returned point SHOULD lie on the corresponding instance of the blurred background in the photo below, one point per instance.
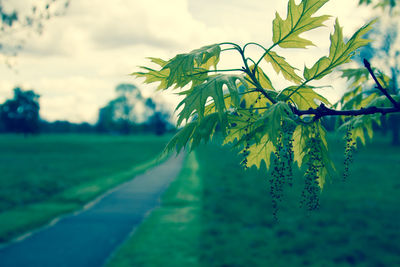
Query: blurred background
(71, 117)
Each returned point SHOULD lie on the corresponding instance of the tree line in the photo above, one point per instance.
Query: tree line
(128, 113)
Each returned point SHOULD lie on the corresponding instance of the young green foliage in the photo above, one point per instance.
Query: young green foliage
(253, 114)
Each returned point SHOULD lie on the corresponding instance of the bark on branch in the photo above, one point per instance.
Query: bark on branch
(322, 111)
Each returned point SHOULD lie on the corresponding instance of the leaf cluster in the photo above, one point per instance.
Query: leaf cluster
(249, 110)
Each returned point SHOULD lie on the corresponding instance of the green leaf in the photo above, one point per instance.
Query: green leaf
(304, 97)
(301, 149)
(339, 52)
(205, 130)
(299, 19)
(181, 138)
(271, 120)
(360, 125)
(261, 152)
(197, 97)
(281, 65)
(193, 133)
(262, 78)
(152, 75)
(357, 76)
(238, 123)
(183, 66)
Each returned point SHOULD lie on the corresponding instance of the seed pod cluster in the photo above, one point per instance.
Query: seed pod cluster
(245, 152)
(282, 172)
(277, 179)
(350, 148)
(311, 191)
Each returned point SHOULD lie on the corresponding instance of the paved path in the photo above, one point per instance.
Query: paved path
(88, 238)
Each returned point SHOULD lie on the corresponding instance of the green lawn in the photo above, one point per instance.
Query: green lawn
(47, 175)
(358, 223)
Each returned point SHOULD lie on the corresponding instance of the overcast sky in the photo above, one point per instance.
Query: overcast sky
(80, 57)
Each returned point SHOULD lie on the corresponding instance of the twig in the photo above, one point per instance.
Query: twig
(323, 111)
(379, 86)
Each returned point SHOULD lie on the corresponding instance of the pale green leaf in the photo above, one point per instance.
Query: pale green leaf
(299, 19)
(304, 97)
(262, 78)
(261, 152)
(339, 52)
(183, 66)
(281, 65)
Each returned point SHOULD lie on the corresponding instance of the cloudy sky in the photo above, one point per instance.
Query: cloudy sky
(80, 57)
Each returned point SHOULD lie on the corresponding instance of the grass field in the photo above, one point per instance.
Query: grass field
(47, 175)
(358, 223)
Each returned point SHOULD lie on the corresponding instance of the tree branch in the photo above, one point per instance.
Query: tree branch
(323, 111)
(379, 86)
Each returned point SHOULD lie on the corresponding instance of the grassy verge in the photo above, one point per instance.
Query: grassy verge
(46, 176)
(169, 236)
(357, 224)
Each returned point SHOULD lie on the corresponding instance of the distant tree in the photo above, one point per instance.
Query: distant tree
(130, 112)
(158, 123)
(59, 126)
(20, 18)
(21, 113)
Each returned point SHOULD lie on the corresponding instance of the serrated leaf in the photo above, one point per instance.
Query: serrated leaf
(299, 19)
(359, 125)
(181, 138)
(281, 65)
(261, 152)
(357, 76)
(301, 149)
(196, 98)
(271, 120)
(153, 75)
(304, 97)
(193, 133)
(183, 66)
(359, 101)
(262, 78)
(205, 130)
(238, 123)
(254, 99)
(339, 52)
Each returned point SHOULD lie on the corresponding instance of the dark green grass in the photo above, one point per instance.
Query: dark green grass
(358, 223)
(47, 175)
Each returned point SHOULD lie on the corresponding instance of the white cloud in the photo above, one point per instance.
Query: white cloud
(80, 57)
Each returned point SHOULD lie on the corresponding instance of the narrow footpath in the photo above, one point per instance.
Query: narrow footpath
(89, 237)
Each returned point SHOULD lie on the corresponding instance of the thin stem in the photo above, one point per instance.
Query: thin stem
(253, 43)
(232, 44)
(253, 78)
(228, 49)
(250, 59)
(208, 71)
